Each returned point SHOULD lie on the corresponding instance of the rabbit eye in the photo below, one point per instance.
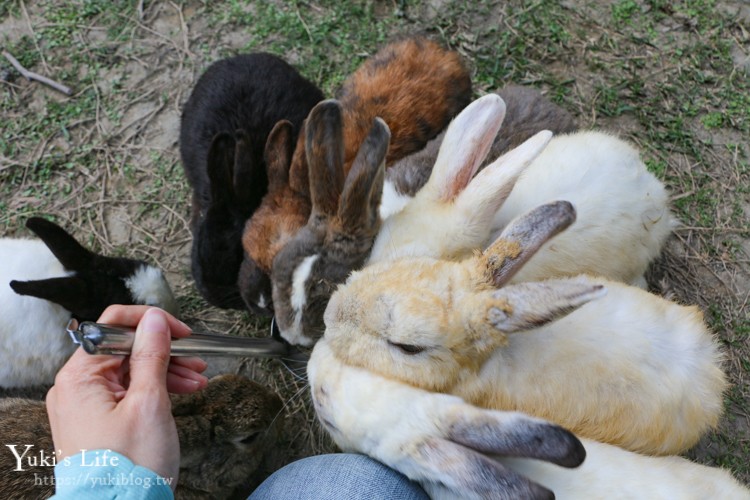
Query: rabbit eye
(247, 440)
(408, 348)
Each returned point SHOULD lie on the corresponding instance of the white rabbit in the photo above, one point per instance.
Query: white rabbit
(629, 368)
(622, 223)
(61, 279)
(456, 450)
(452, 214)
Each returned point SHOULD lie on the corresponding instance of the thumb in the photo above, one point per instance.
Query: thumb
(149, 358)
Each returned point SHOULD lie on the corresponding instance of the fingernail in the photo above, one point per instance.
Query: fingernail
(153, 321)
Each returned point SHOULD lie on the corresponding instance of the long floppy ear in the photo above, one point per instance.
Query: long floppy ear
(219, 167)
(520, 307)
(250, 180)
(71, 254)
(523, 237)
(363, 190)
(324, 146)
(278, 154)
(458, 460)
(467, 141)
(70, 292)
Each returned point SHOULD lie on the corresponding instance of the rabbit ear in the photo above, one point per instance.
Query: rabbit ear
(250, 181)
(458, 460)
(459, 469)
(219, 166)
(71, 254)
(525, 306)
(363, 189)
(324, 146)
(493, 184)
(70, 292)
(516, 435)
(467, 141)
(523, 237)
(278, 154)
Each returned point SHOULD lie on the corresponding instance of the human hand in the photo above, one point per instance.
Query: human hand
(122, 403)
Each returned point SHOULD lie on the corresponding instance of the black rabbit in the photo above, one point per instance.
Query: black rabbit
(225, 125)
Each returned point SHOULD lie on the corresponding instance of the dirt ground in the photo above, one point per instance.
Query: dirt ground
(104, 161)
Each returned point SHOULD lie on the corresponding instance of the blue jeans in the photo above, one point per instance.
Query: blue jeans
(345, 476)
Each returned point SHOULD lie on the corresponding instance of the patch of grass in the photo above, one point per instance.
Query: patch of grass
(624, 10)
(323, 41)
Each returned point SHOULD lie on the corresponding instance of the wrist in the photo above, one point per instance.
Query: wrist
(106, 470)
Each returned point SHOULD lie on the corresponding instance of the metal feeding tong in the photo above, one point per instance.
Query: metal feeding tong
(96, 338)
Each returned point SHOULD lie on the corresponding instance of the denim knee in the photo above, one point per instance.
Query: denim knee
(346, 476)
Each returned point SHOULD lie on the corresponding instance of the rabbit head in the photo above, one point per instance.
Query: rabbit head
(342, 226)
(464, 204)
(424, 321)
(225, 433)
(414, 85)
(96, 281)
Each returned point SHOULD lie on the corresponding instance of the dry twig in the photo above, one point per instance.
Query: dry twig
(30, 75)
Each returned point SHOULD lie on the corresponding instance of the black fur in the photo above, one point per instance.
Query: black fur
(97, 283)
(247, 93)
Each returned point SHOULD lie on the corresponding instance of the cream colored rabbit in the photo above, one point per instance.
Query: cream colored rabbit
(629, 368)
(456, 450)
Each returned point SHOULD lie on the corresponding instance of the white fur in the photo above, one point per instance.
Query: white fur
(389, 421)
(148, 286)
(33, 341)
(622, 210)
(298, 299)
(622, 223)
(392, 201)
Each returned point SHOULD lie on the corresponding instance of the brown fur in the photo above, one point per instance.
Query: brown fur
(414, 85)
(214, 462)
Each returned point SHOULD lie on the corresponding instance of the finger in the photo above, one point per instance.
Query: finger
(131, 315)
(192, 362)
(180, 385)
(186, 373)
(150, 355)
(81, 367)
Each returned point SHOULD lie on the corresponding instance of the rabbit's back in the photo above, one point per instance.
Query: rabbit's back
(653, 380)
(250, 92)
(33, 342)
(623, 219)
(414, 85)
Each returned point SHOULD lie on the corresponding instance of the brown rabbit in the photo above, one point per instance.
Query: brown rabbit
(224, 431)
(414, 85)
